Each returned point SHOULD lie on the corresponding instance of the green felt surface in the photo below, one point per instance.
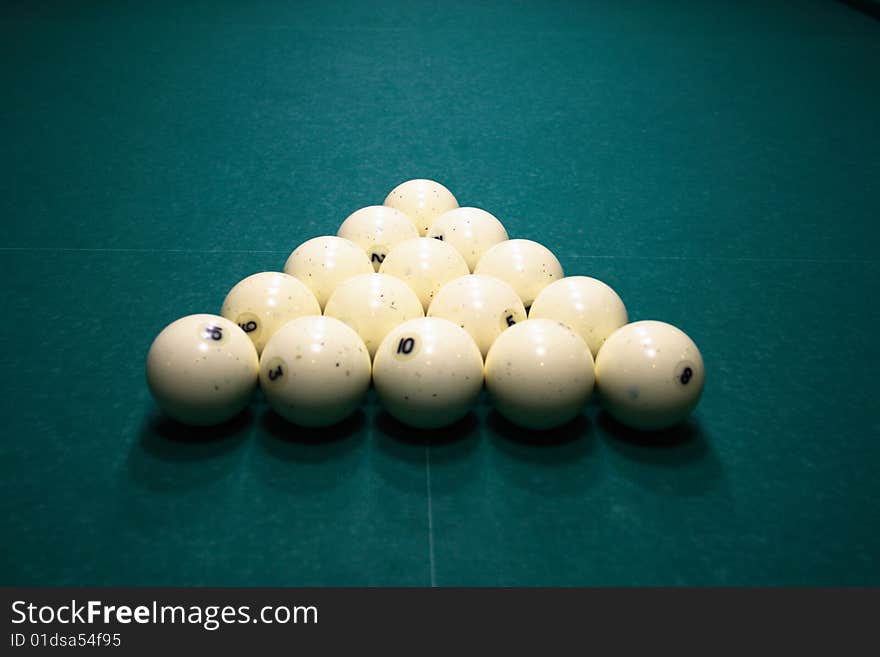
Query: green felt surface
(716, 163)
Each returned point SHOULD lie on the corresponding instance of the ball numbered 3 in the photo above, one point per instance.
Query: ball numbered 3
(484, 306)
(315, 371)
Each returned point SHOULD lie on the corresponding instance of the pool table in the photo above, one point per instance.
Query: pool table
(716, 163)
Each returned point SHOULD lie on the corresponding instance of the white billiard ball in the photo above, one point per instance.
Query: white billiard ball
(262, 303)
(587, 305)
(527, 266)
(649, 375)
(315, 371)
(377, 229)
(372, 305)
(484, 306)
(470, 230)
(422, 201)
(202, 369)
(539, 373)
(322, 263)
(428, 372)
(425, 265)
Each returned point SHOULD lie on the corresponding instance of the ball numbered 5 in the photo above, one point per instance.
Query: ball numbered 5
(484, 306)
(202, 369)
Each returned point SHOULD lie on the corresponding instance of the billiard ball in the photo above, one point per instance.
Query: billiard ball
(322, 263)
(425, 265)
(527, 266)
(428, 372)
(261, 303)
(377, 229)
(372, 305)
(315, 371)
(649, 375)
(422, 201)
(470, 230)
(539, 373)
(587, 305)
(484, 306)
(202, 369)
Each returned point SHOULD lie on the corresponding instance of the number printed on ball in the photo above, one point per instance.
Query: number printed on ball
(684, 372)
(276, 369)
(378, 253)
(250, 324)
(406, 347)
(510, 317)
(211, 332)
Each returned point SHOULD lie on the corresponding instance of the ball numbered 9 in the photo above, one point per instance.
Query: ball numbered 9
(262, 303)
